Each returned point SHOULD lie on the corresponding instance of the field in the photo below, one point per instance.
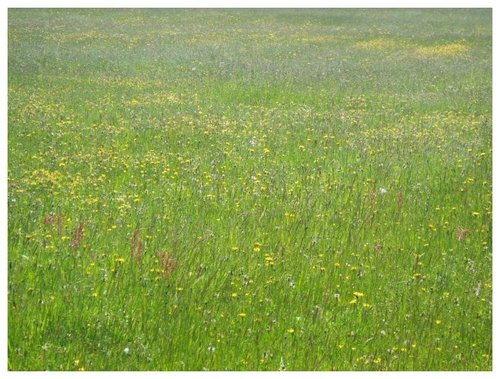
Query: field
(250, 189)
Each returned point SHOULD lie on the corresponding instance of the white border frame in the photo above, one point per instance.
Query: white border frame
(6, 4)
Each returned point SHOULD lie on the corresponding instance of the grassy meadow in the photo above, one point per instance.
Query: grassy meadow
(249, 189)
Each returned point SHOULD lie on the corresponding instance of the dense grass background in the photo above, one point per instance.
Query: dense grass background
(250, 189)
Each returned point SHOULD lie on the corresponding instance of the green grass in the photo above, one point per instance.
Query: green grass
(271, 164)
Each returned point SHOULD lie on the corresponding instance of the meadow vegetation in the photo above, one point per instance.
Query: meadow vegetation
(250, 189)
